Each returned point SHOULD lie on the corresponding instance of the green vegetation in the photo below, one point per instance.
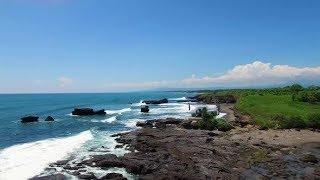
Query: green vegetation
(210, 122)
(311, 96)
(314, 120)
(285, 108)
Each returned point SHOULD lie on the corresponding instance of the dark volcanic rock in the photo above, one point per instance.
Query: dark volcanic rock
(51, 177)
(49, 118)
(60, 163)
(309, 158)
(100, 112)
(171, 153)
(145, 109)
(159, 123)
(145, 123)
(83, 111)
(29, 119)
(187, 100)
(87, 112)
(89, 176)
(190, 123)
(114, 176)
(162, 101)
(106, 161)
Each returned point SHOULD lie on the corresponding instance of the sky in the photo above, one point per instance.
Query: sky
(129, 45)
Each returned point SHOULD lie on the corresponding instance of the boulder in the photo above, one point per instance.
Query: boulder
(145, 123)
(113, 176)
(29, 119)
(187, 100)
(145, 109)
(162, 101)
(49, 118)
(105, 161)
(190, 124)
(88, 176)
(87, 112)
(100, 112)
(51, 177)
(309, 158)
(170, 121)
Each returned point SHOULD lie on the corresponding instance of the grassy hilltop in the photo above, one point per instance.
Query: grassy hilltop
(288, 107)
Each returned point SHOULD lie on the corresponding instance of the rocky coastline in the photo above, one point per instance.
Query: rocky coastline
(176, 149)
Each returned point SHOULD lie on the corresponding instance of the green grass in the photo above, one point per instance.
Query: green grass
(263, 107)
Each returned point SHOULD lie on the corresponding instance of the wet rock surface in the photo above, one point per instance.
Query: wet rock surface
(166, 149)
(145, 109)
(87, 112)
(51, 177)
(172, 152)
(114, 176)
(162, 101)
(49, 118)
(29, 119)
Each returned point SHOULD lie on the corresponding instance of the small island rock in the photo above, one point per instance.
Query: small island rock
(29, 119)
(145, 109)
(49, 118)
(162, 101)
(87, 112)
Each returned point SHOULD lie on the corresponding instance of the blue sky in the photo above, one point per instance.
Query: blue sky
(122, 45)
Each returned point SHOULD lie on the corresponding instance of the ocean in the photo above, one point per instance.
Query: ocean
(26, 150)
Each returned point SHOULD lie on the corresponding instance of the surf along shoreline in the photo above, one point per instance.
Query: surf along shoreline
(175, 149)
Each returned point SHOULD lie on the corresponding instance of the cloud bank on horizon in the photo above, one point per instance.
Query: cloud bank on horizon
(247, 75)
(258, 73)
(254, 74)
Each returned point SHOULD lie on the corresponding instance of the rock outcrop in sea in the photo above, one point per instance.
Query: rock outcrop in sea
(162, 101)
(145, 109)
(29, 119)
(49, 118)
(87, 112)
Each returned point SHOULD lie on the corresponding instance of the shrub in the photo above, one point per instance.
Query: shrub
(314, 120)
(292, 122)
(204, 112)
(209, 122)
(278, 117)
(308, 96)
(223, 125)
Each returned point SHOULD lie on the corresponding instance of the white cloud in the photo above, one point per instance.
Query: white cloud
(64, 82)
(253, 74)
(257, 73)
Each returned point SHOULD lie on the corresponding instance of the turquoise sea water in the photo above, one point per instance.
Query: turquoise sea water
(44, 142)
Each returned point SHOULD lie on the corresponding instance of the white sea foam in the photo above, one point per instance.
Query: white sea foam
(131, 123)
(110, 120)
(180, 108)
(139, 104)
(221, 115)
(24, 161)
(70, 114)
(118, 111)
(178, 99)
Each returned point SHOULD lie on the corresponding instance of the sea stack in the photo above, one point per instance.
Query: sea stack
(87, 112)
(49, 118)
(162, 101)
(29, 119)
(145, 109)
